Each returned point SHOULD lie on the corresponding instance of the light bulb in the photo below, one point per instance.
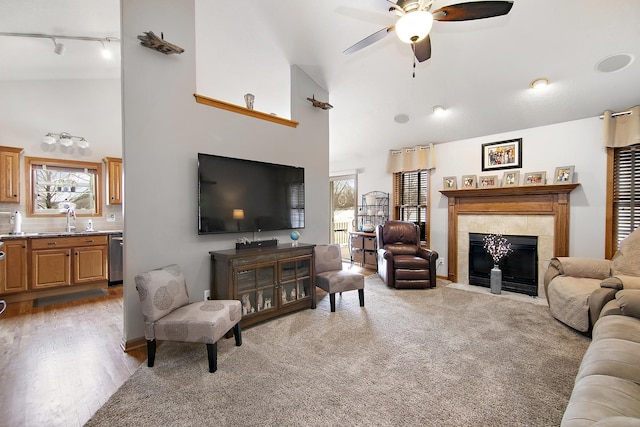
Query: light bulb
(413, 27)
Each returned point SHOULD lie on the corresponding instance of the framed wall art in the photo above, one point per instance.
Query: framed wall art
(450, 182)
(563, 175)
(502, 155)
(511, 179)
(535, 178)
(468, 181)
(488, 181)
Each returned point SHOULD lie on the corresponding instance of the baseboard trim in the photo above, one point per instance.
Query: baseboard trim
(128, 345)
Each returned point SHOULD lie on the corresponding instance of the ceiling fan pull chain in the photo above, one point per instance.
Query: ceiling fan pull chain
(413, 48)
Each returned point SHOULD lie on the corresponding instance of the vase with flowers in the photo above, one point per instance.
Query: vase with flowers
(498, 247)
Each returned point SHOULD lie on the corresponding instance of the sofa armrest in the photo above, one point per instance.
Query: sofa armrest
(591, 268)
(597, 300)
(629, 302)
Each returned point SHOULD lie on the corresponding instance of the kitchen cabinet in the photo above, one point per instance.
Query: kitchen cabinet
(68, 261)
(114, 180)
(14, 277)
(10, 174)
(269, 281)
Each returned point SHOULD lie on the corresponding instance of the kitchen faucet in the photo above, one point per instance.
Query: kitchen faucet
(70, 213)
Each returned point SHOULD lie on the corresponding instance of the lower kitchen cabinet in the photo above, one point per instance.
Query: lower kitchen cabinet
(68, 261)
(14, 278)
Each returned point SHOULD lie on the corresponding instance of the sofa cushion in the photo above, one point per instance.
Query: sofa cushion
(626, 261)
(621, 327)
(569, 300)
(597, 397)
(583, 267)
(613, 357)
(629, 302)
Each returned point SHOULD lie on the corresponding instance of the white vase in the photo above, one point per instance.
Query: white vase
(496, 280)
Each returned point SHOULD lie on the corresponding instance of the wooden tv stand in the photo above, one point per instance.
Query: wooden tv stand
(269, 281)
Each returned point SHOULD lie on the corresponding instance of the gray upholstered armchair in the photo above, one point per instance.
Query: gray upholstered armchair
(169, 316)
(402, 263)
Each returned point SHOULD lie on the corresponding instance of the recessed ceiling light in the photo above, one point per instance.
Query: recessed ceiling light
(438, 110)
(539, 83)
(614, 63)
(401, 118)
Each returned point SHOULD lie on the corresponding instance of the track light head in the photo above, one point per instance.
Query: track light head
(58, 47)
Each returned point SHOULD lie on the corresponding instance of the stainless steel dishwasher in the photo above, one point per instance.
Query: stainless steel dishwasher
(115, 258)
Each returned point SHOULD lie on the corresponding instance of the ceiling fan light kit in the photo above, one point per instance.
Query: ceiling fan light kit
(414, 26)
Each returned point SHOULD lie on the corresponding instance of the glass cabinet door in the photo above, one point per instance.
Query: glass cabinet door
(256, 288)
(295, 280)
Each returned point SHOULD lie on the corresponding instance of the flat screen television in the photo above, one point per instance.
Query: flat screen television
(239, 196)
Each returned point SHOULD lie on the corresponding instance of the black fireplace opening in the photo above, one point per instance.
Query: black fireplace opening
(519, 268)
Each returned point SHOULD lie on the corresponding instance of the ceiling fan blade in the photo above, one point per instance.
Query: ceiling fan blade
(422, 49)
(378, 35)
(472, 10)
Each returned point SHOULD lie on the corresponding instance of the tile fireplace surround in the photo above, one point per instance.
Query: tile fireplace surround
(541, 211)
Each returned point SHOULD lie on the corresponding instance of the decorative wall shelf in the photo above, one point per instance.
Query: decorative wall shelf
(525, 200)
(242, 110)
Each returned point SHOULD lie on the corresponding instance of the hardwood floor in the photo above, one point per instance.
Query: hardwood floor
(61, 363)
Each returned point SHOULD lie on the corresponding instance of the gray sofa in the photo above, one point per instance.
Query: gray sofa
(607, 388)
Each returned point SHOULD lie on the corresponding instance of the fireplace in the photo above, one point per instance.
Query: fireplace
(519, 268)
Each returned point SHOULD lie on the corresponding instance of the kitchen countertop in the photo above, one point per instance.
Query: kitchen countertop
(55, 234)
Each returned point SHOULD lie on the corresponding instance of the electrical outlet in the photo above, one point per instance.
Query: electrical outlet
(111, 218)
(207, 294)
(440, 262)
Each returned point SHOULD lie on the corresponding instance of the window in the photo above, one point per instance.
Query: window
(411, 199)
(623, 195)
(55, 185)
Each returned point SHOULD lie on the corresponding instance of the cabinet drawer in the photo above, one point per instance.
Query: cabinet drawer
(357, 256)
(67, 242)
(370, 258)
(357, 242)
(370, 243)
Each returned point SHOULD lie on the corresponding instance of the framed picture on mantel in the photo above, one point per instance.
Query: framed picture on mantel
(502, 155)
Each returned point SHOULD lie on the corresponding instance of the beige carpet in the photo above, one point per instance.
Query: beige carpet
(436, 357)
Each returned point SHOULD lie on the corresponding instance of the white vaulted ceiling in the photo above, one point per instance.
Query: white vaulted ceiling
(480, 71)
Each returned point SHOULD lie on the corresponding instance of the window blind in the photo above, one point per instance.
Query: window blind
(411, 199)
(626, 191)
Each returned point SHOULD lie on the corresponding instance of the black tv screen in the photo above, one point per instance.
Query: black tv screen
(238, 195)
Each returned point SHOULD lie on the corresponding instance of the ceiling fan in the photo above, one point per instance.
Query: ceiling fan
(416, 18)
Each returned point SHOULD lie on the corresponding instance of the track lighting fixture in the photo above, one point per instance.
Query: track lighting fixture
(59, 48)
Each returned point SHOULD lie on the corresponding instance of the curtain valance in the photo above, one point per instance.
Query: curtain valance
(621, 130)
(420, 157)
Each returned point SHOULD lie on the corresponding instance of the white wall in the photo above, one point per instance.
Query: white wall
(543, 149)
(164, 129)
(227, 71)
(29, 109)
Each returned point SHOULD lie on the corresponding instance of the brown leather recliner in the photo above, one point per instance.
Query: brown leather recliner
(402, 263)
